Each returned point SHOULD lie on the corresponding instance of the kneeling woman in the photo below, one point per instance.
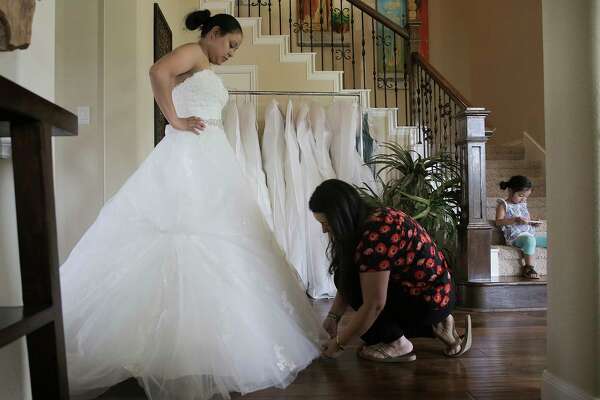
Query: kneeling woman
(387, 268)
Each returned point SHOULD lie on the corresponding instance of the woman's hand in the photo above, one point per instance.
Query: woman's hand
(331, 326)
(192, 124)
(331, 349)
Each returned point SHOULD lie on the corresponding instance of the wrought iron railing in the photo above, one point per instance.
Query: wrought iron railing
(375, 54)
(436, 105)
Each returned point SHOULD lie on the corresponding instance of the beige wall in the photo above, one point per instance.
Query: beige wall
(572, 82)
(80, 161)
(103, 54)
(492, 52)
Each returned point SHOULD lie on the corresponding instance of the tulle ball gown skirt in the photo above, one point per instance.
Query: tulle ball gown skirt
(181, 284)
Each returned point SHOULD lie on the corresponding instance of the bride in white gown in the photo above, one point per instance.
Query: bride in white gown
(179, 282)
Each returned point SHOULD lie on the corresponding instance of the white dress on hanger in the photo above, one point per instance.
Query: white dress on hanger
(273, 156)
(295, 199)
(254, 169)
(322, 133)
(231, 126)
(180, 282)
(345, 120)
(320, 281)
(344, 125)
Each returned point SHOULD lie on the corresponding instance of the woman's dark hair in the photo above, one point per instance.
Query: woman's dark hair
(202, 19)
(516, 183)
(346, 213)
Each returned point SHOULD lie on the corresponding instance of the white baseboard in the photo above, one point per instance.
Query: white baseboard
(6, 147)
(554, 388)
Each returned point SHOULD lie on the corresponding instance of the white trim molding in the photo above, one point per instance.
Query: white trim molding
(554, 388)
(217, 6)
(239, 77)
(533, 150)
(247, 71)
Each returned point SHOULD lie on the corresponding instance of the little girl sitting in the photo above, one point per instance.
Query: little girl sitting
(513, 217)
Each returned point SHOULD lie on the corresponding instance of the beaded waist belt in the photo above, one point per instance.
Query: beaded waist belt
(213, 122)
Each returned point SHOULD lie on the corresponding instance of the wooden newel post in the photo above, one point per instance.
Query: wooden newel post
(414, 27)
(476, 234)
(414, 35)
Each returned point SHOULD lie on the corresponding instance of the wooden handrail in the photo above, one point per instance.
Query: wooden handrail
(439, 78)
(376, 15)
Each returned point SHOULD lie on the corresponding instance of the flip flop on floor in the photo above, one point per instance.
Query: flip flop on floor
(387, 358)
(465, 341)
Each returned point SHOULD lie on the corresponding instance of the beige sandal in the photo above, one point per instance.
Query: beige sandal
(387, 357)
(461, 344)
(465, 341)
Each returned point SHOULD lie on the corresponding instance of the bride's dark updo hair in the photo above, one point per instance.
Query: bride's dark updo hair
(202, 20)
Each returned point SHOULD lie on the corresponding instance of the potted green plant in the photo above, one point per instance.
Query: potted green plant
(340, 22)
(426, 188)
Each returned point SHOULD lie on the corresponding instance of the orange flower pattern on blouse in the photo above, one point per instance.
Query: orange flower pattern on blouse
(395, 242)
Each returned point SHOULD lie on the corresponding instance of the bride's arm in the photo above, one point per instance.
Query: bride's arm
(163, 75)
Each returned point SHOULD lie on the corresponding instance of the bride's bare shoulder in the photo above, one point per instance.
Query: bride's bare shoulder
(183, 61)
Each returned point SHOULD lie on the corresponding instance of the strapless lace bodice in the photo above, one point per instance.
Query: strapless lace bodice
(201, 95)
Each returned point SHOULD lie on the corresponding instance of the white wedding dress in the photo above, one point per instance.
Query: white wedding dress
(179, 282)
(273, 156)
(319, 280)
(295, 199)
(254, 164)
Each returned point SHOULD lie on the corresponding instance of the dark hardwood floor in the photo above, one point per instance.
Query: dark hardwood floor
(505, 362)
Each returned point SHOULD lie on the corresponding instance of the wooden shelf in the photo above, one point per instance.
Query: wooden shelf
(31, 121)
(19, 104)
(16, 322)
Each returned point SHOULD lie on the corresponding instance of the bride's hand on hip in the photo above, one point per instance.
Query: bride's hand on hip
(192, 124)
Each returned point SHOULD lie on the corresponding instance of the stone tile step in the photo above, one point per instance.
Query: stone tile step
(497, 174)
(512, 164)
(509, 260)
(505, 152)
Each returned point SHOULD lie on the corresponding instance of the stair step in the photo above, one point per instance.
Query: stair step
(504, 174)
(512, 164)
(509, 260)
(503, 293)
(505, 152)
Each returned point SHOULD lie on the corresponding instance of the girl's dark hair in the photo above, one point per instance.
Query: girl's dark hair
(516, 183)
(346, 213)
(202, 19)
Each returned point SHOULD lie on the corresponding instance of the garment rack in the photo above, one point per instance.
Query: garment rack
(306, 93)
(291, 93)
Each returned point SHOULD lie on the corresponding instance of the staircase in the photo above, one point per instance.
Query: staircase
(268, 62)
(506, 289)
(502, 163)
